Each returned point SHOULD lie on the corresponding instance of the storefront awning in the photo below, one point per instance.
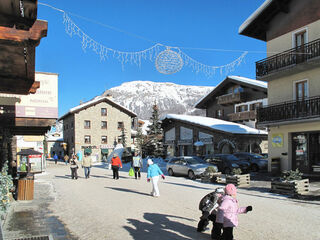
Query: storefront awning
(88, 150)
(104, 151)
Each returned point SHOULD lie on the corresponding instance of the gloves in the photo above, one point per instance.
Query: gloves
(148, 179)
(162, 176)
(249, 208)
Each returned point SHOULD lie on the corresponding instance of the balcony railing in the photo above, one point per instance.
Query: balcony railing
(242, 116)
(288, 58)
(230, 98)
(290, 111)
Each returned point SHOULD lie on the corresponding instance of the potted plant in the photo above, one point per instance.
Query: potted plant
(210, 175)
(237, 178)
(290, 183)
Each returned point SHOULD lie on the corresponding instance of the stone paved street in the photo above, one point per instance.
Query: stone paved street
(103, 208)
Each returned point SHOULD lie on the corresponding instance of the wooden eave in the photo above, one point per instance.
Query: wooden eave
(258, 27)
(217, 90)
(17, 58)
(11, 15)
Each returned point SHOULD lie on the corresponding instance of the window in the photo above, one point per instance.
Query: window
(301, 90)
(300, 38)
(103, 112)
(219, 113)
(120, 125)
(103, 124)
(242, 108)
(104, 139)
(254, 106)
(87, 124)
(72, 125)
(87, 139)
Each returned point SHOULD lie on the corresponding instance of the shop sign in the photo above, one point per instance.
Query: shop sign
(92, 147)
(185, 142)
(105, 146)
(206, 140)
(277, 140)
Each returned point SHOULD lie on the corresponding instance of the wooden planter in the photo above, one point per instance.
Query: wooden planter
(211, 177)
(295, 187)
(238, 180)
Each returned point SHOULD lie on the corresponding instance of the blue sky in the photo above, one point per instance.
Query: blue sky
(205, 24)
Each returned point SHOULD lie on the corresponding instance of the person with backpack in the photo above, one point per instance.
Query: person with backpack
(229, 210)
(209, 206)
(137, 165)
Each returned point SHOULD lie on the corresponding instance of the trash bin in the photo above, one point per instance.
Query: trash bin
(26, 188)
(275, 166)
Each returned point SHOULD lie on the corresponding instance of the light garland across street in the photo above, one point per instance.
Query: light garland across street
(168, 60)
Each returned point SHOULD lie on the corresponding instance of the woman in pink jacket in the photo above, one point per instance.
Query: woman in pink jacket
(228, 212)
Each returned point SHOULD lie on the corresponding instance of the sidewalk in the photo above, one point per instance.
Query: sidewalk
(33, 218)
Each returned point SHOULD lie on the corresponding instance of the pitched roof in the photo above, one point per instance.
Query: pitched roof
(95, 101)
(260, 85)
(216, 124)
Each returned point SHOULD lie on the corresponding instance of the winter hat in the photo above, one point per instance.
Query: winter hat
(150, 162)
(230, 189)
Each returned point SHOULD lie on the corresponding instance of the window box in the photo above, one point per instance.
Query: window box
(242, 180)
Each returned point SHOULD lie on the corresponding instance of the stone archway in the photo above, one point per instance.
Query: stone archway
(226, 146)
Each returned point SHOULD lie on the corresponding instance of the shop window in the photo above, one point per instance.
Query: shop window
(120, 125)
(87, 124)
(104, 125)
(104, 139)
(103, 112)
(87, 139)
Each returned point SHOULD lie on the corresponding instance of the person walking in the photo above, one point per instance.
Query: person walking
(228, 212)
(86, 164)
(55, 158)
(153, 174)
(66, 159)
(137, 165)
(74, 167)
(116, 164)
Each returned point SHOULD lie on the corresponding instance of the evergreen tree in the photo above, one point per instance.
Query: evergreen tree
(123, 137)
(154, 145)
(5, 185)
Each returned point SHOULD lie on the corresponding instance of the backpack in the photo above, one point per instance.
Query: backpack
(210, 201)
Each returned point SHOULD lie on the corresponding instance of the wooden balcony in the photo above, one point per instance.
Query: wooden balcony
(231, 98)
(242, 116)
(289, 111)
(288, 59)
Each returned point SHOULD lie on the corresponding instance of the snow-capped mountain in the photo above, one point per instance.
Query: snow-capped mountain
(139, 96)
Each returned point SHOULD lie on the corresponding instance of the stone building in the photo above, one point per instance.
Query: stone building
(291, 29)
(97, 126)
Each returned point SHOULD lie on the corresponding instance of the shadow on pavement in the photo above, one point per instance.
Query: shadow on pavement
(127, 190)
(187, 185)
(161, 226)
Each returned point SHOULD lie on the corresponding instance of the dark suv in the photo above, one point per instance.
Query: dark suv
(257, 162)
(227, 162)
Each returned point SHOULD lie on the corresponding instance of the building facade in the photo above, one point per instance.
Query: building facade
(291, 29)
(96, 127)
(194, 135)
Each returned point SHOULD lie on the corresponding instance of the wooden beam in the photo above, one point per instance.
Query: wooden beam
(22, 37)
(34, 122)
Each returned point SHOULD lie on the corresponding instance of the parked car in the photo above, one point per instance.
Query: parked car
(191, 166)
(227, 162)
(257, 162)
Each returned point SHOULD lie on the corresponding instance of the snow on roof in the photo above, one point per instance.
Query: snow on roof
(93, 101)
(254, 15)
(240, 79)
(217, 124)
(250, 81)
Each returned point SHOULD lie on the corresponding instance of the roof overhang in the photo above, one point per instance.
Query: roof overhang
(257, 24)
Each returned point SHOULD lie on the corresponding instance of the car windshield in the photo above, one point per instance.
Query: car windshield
(257, 156)
(193, 160)
(232, 158)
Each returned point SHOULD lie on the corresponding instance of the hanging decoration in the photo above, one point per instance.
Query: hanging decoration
(168, 60)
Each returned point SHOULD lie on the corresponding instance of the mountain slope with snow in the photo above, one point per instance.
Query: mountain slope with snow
(139, 96)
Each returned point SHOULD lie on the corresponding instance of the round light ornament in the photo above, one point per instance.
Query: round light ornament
(169, 62)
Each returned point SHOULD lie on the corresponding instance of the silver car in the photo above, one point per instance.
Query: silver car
(190, 166)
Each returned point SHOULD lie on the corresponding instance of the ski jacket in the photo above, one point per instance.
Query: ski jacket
(137, 162)
(228, 212)
(115, 161)
(153, 171)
